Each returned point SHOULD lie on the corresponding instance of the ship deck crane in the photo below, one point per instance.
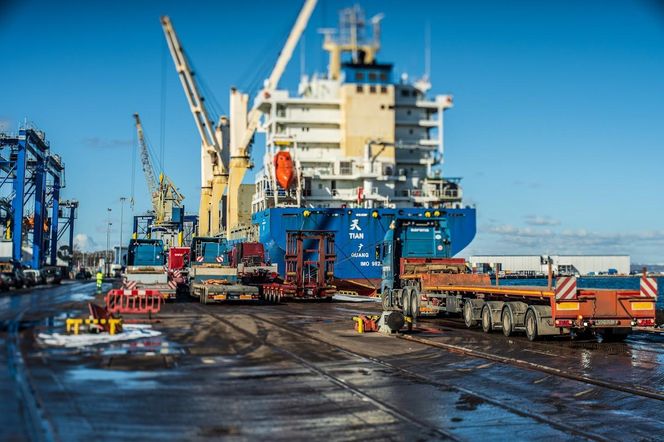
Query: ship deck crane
(214, 156)
(163, 193)
(241, 136)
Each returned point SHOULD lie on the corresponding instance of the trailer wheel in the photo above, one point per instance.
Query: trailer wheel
(385, 297)
(531, 325)
(406, 301)
(507, 321)
(468, 315)
(487, 326)
(414, 303)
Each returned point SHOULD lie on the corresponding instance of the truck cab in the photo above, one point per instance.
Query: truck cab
(146, 252)
(408, 242)
(209, 250)
(146, 260)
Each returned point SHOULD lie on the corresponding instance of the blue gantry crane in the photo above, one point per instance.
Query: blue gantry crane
(31, 177)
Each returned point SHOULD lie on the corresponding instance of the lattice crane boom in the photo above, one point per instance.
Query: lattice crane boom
(146, 164)
(163, 193)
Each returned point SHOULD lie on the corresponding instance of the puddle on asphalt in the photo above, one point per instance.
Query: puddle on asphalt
(80, 297)
(468, 402)
(133, 380)
(221, 360)
(145, 347)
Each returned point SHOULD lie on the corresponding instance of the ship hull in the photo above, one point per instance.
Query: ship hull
(357, 231)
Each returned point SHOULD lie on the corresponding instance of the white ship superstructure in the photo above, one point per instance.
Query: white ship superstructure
(357, 137)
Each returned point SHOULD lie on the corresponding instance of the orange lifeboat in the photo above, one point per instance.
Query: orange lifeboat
(283, 169)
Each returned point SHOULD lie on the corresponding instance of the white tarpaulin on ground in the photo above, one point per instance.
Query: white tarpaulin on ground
(351, 298)
(129, 332)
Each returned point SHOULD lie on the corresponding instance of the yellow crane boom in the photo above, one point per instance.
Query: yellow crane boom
(214, 158)
(241, 152)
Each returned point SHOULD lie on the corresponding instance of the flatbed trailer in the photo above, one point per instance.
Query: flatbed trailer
(420, 279)
(217, 283)
(154, 278)
(539, 311)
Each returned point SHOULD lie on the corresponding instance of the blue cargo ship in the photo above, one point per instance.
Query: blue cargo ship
(353, 149)
(357, 231)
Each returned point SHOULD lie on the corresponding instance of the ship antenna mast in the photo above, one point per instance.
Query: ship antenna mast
(427, 50)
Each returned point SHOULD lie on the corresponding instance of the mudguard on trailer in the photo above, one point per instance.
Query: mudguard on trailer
(476, 305)
(545, 324)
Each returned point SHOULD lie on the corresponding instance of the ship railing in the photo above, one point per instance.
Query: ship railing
(438, 194)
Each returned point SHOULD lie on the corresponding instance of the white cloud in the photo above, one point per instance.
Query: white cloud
(538, 220)
(84, 242)
(507, 239)
(5, 124)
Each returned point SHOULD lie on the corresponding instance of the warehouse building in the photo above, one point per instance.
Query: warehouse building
(561, 264)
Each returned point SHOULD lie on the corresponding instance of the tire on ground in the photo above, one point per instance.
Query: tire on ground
(468, 314)
(487, 321)
(405, 296)
(507, 321)
(531, 325)
(414, 303)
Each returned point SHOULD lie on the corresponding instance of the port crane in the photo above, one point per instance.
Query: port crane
(244, 125)
(164, 195)
(214, 148)
(226, 147)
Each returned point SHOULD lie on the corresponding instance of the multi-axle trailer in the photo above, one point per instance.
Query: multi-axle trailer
(420, 279)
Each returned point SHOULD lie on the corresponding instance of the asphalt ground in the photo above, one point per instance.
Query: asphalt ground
(299, 371)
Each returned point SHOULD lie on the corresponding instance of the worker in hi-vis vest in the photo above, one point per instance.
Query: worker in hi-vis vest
(100, 279)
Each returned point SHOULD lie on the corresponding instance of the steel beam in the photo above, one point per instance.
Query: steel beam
(19, 192)
(39, 215)
(55, 212)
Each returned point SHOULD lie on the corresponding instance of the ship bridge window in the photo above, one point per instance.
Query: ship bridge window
(383, 90)
(372, 76)
(383, 77)
(359, 88)
(359, 76)
(404, 92)
(372, 89)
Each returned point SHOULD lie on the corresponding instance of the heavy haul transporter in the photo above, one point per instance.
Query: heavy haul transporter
(212, 275)
(420, 279)
(146, 268)
(309, 272)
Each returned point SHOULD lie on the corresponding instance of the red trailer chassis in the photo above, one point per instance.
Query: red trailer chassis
(309, 274)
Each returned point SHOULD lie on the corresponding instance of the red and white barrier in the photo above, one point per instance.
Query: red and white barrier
(133, 301)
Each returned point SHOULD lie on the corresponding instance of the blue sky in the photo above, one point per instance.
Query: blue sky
(557, 129)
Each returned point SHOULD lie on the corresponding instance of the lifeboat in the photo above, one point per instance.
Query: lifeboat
(283, 169)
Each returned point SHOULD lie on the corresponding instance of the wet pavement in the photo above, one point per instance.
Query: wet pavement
(299, 371)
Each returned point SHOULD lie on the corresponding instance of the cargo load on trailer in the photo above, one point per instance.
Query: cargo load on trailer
(310, 259)
(178, 267)
(212, 275)
(146, 268)
(420, 279)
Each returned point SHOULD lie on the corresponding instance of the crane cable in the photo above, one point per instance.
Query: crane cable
(162, 119)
